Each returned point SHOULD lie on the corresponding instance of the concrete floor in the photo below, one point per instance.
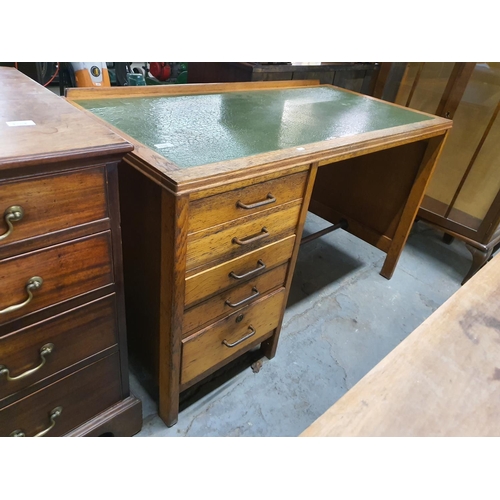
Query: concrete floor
(342, 318)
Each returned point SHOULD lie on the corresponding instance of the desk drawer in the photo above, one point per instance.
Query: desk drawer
(240, 270)
(222, 341)
(214, 210)
(242, 294)
(67, 270)
(53, 203)
(81, 395)
(235, 238)
(55, 344)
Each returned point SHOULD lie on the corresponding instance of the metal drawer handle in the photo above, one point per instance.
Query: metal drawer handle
(56, 412)
(33, 284)
(260, 267)
(240, 303)
(234, 344)
(269, 199)
(45, 350)
(263, 233)
(12, 214)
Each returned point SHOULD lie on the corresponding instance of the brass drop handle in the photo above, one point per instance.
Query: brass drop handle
(269, 199)
(234, 344)
(33, 284)
(55, 413)
(245, 241)
(45, 350)
(260, 266)
(241, 302)
(12, 214)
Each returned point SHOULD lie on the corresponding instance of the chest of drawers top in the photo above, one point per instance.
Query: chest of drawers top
(38, 127)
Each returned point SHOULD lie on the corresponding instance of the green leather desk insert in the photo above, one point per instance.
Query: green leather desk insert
(200, 129)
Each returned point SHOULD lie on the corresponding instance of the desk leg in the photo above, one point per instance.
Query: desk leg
(432, 153)
(174, 223)
(270, 345)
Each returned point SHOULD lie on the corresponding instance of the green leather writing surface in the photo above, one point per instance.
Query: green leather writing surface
(200, 129)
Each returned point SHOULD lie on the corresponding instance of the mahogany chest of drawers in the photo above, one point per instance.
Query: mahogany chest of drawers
(63, 350)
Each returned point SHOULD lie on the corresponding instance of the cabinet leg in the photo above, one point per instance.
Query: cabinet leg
(479, 259)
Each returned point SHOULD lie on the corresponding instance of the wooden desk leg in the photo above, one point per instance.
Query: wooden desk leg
(270, 345)
(410, 210)
(174, 225)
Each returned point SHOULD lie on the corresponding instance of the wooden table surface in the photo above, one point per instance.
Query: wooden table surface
(442, 380)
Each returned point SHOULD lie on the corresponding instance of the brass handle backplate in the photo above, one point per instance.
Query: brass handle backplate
(241, 302)
(45, 350)
(55, 413)
(261, 266)
(12, 214)
(234, 344)
(245, 241)
(34, 283)
(269, 199)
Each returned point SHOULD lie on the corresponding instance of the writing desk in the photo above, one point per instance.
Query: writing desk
(215, 195)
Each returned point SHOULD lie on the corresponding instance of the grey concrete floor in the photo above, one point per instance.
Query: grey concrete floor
(342, 318)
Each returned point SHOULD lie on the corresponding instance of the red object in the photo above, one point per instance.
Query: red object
(160, 70)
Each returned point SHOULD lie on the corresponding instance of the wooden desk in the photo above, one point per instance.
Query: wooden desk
(215, 195)
(442, 380)
(63, 345)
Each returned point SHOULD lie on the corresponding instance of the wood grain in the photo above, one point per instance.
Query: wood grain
(442, 380)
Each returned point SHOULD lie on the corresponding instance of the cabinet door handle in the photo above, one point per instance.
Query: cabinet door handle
(56, 412)
(234, 344)
(263, 233)
(240, 303)
(269, 199)
(45, 350)
(33, 284)
(260, 267)
(12, 214)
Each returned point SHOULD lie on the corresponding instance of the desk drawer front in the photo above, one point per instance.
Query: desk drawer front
(53, 203)
(236, 238)
(207, 212)
(81, 396)
(240, 270)
(247, 292)
(67, 270)
(224, 339)
(68, 338)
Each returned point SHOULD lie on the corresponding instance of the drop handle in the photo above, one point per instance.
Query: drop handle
(45, 350)
(260, 267)
(55, 413)
(33, 284)
(269, 199)
(234, 344)
(12, 214)
(244, 301)
(246, 241)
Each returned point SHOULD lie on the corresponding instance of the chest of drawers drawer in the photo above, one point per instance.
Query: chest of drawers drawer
(40, 206)
(58, 408)
(66, 270)
(204, 352)
(43, 349)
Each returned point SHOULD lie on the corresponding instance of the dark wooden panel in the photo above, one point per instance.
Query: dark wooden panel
(67, 270)
(75, 335)
(81, 395)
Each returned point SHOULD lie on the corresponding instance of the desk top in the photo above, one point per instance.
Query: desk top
(37, 126)
(442, 380)
(193, 130)
(185, 134)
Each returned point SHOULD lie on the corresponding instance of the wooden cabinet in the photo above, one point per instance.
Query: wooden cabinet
(214, 200)
(63, 351)
(463, 198)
